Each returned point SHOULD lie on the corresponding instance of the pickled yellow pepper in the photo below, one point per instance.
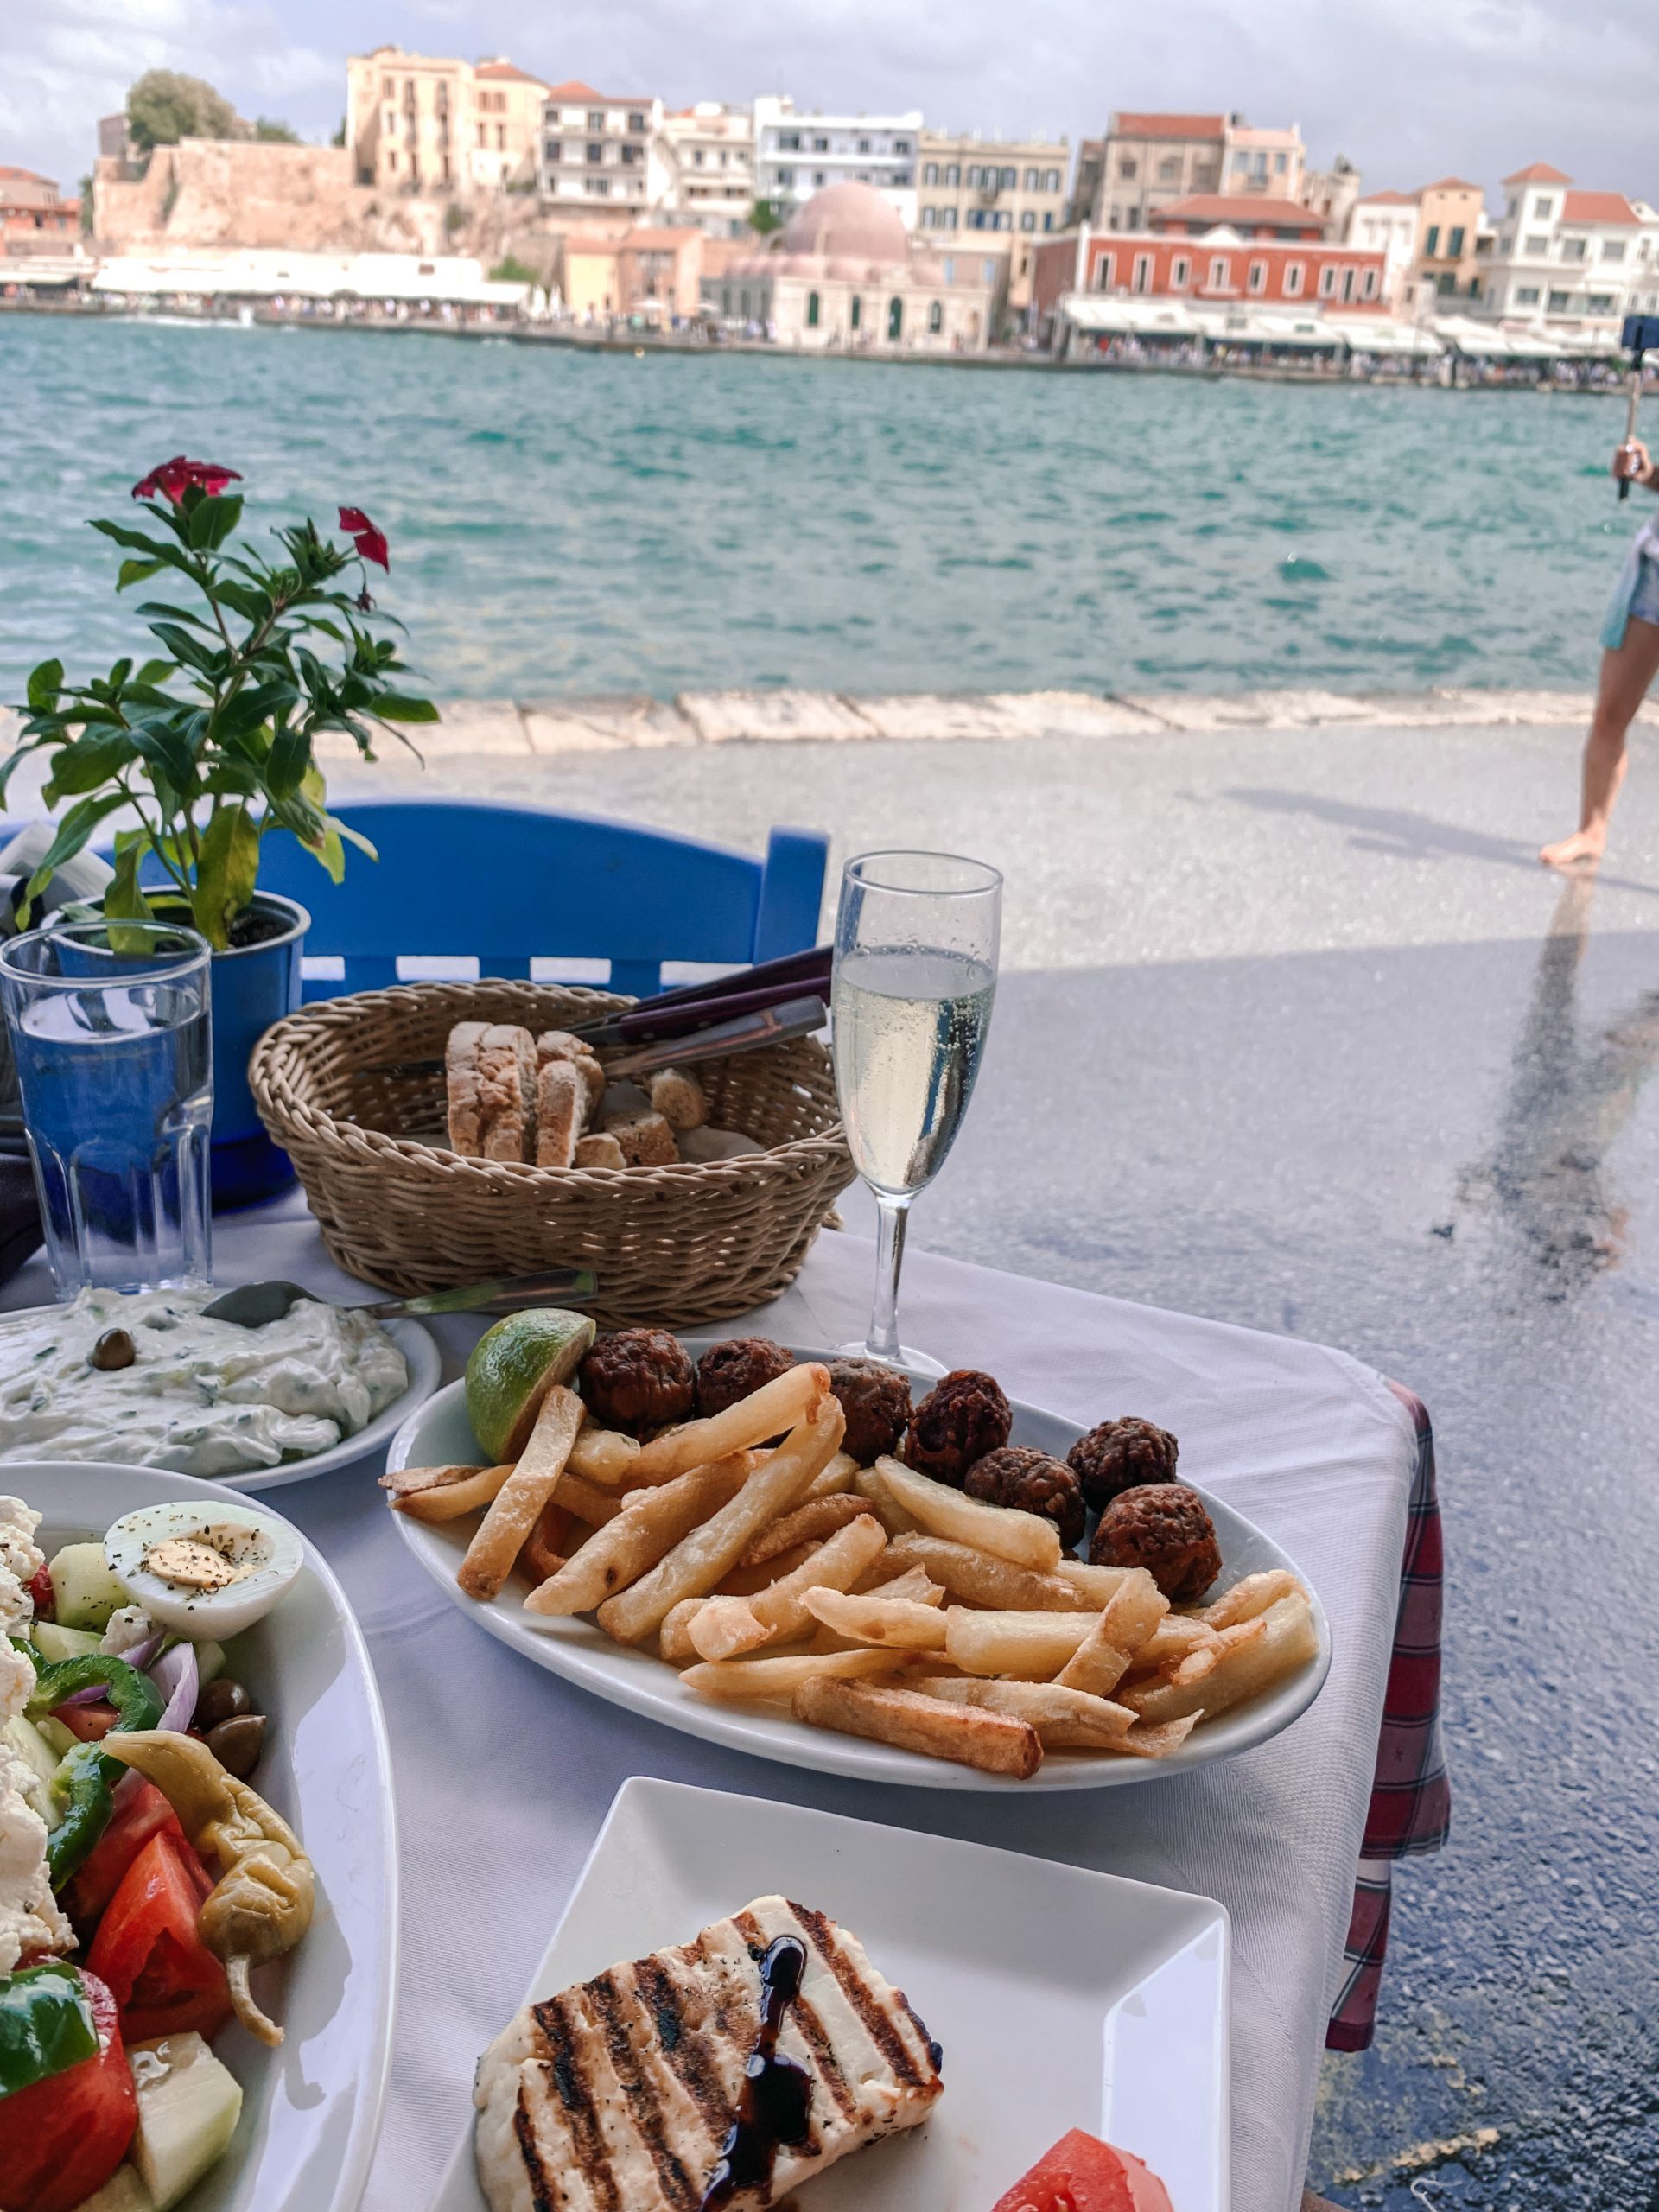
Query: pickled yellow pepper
(262, 1904)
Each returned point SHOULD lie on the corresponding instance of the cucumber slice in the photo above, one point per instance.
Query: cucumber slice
(52, 1641)
(188, 2105)
(123, 2192)
(85, 1592)
(24, 1738)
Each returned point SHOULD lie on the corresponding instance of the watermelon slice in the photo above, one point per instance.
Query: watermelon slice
(1083, 2174)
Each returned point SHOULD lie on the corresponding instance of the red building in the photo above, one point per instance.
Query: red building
(1217, 267)
(30, 206)
(1253, 214)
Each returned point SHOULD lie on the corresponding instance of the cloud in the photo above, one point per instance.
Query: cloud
(1408, 89)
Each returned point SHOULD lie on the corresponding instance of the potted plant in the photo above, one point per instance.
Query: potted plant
(207, 749)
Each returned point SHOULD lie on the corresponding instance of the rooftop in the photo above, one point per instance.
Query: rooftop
(1387, 200)
(1250, 210)
(1138, 125)
(1452, 184)
(1539, 173)
(506, 71)
(1597, 207)
(575, 90)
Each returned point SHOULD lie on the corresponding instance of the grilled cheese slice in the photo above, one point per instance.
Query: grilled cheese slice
(616, 2095)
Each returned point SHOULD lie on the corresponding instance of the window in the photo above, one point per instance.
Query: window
(902, 176)
(1179, 269)
(789, 141)
(1169, 170)
(1143, 272)
(1003, 219)
(987, 272)
(595, 118)
(1432, 242)
(1258, 277)
(935, 317)
(785, 177)
(858, 311)
(976, 219)
(1526, 295)
(1050, 179)
(1558, 303)
(1009, 179)
(630, 155)
(696, 157)
(953, 173)
(1599, 303)
(820, 145)
(811, 310)
(1128, 167)
(1221, 271)
(635, 121)
(726, 299)
(388, 88)
(928, 219)
(930, 173)
(1613, 249)
(1033, 181)
(1538, 244)
(1048, 219)
(950, 269)
(1543, 209)
(595, 153)
(1446, 284)
(1281, 163)
(1348, 283)
(1328, 280)
(501, 140)
(599, 187)
(863, 145)
(1371, 283)
(1028, 219)
(1103, 273)
(392, 157)
(1574, 249)
(974, 172)
(818, 177)
(1240, 164)
(1454, 244)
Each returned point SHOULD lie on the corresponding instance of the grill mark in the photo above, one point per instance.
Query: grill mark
(577, 2097)
(684, 2048)
(829, 2071)
(613, 2006)
(530, 2151)
(877, 2025)
(934, 2054)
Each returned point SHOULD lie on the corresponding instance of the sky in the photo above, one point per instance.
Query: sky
(1409, 90)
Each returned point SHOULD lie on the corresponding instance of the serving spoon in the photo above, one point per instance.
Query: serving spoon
(252, 1304)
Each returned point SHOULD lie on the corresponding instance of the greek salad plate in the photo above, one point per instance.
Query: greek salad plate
(1062, 1997)
(311, 2108)
(439, 1434)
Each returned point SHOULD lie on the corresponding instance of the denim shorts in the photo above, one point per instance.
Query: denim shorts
(1645, 604)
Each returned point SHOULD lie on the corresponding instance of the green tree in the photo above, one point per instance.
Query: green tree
(454, 219)
(339, 138)
(87, 205)
(511, 270)
(163, 107)
(765, 217)
(275, 133)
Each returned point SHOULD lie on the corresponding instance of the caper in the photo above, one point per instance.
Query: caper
(222, 1699)
(237, 1743)
(114, 1349)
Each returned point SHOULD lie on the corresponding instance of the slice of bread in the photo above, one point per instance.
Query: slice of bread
(490, 1078)
(560, 1104)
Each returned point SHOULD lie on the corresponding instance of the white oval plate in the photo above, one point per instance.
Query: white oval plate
(439, 1434)
(311, 2110)
(425, 1365)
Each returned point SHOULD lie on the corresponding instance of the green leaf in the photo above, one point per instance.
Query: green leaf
(225, 873)
(224, 512)
(191, 651)
(153, 672)
(45, 683)
(73, 832)
(133, 572)
(165, 747)
(12, 759)
(288, 761)
(394, 707)
(88, 762)
(123, 901)
(136, 540)
(250, 709)
(251, 605)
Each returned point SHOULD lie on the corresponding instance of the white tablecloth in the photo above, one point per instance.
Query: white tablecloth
(504, 1773)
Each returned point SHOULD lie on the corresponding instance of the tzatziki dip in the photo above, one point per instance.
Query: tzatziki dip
(145, 1378)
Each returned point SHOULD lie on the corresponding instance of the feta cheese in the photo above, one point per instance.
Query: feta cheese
(129, 1627)
(30, 1918)
(21, 1560)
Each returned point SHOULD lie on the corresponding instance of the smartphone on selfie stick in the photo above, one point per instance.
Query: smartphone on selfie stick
(1641, 332)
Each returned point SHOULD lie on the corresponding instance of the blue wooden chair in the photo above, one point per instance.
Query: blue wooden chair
(506, 884)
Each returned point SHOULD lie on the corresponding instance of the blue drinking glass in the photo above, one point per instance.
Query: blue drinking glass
(111, 1029)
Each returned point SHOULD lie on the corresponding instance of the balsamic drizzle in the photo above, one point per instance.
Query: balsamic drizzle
(775, 2105)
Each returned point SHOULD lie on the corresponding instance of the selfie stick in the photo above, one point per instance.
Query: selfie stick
(1640, 332)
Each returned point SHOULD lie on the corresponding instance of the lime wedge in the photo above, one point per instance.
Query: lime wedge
(513, 1367)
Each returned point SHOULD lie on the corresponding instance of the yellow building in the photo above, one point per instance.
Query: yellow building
(422, 123)
(1450, 221)
(991, 197)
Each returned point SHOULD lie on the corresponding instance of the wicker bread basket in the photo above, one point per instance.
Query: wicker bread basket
(680, 1245)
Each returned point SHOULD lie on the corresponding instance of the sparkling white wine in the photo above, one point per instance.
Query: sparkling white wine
(909, 1027)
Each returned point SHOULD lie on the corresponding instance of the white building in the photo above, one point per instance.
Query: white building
(797, 155)
(603, 150)
(1565, 256)
(710, 154)
(1386, 223)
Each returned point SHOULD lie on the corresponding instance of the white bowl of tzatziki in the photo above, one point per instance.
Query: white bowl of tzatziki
(146, 1379)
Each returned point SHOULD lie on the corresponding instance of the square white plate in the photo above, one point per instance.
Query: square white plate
(1062, 1997)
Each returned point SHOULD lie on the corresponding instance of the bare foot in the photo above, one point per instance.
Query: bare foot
(1584, 846)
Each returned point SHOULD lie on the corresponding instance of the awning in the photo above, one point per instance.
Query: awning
(1304, 334)
(1376, 333)
(259, 274)
(1129, 315)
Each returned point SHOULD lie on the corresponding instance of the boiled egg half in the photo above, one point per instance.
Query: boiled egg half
(203, 1571)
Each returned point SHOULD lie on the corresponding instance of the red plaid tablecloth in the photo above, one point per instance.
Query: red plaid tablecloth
(1411, 1798)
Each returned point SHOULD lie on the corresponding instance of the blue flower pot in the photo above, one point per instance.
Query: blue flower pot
(253, 986)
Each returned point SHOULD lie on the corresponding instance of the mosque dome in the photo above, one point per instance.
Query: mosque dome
(852, 222)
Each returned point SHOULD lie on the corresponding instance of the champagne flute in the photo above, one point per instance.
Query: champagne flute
(915, 974)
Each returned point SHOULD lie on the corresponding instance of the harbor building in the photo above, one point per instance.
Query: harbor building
(32, 210)
(843, 273)
(1222, 267)
(709, 153)
(1453, 234)
(798, 154)
(1286, 220)
(603, 150)
(423, 123)
(995, 196)
(1333, 193)
(1149, 161)
(1567, 256)
(1386, 223)
(654, 272)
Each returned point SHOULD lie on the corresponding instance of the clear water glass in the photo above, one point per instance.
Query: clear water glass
(915, 974)
(111, 1027)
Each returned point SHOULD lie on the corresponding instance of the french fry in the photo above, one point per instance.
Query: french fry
(745, 1581)
(1254, 1655)
(1248, 1597)
(772, 1677)
(1067, 1720)
(895, 1622)
(913, 1584)
(1171, 1641)
(1144, 1743)
(995, 1743)
(603, 1455)
(789, 1400)
(870, 1486)
(725, 1627)
(673, 1640)
(1028, 1539)
(517, 1504)
(1131, 1615)
(699, 1559)
(651, 1523)
(589, 1501)
(443, 1493)
(548, 1544)
(978, 1578)
(836, 1479)
(1029, 1647)
(1094, 1584)
(810, 1523)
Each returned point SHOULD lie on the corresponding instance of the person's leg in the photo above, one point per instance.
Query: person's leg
(1625, 676)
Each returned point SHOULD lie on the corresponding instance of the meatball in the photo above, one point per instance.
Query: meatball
(962, 1417)
(1119, 1455)
(1019, 1476)
(736, 1369)
(1164, 1527)
(638, 1379)
(876, 1401)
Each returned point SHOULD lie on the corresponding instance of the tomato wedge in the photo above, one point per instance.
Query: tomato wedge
(61, 2139)
(165, 1978)
(140, 1813)
(1083, 2174)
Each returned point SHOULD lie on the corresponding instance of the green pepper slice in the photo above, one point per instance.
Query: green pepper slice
(136, 1700)
(46, 2024)
(85, 1781)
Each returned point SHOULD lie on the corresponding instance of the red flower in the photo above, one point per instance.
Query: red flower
(370, 542)
(174, 478)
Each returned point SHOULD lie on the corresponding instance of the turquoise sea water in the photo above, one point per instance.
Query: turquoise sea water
(567, 524)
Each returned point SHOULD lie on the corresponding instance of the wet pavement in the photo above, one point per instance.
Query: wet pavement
(1293, 1032)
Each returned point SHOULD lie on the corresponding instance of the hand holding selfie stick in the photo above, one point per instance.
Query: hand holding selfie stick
(1640, 332)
